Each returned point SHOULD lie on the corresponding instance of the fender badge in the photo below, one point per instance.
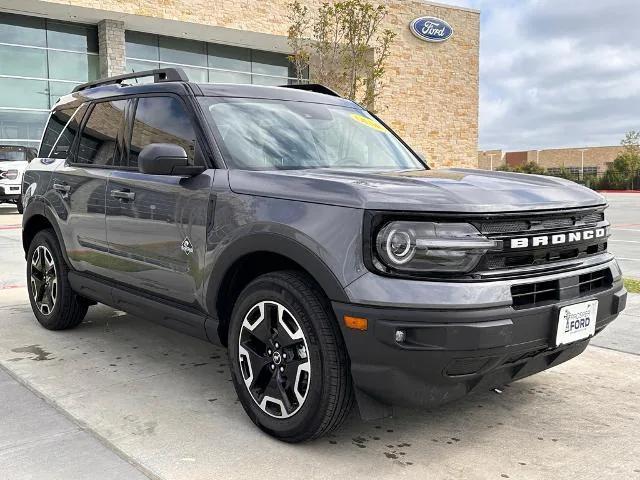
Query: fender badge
(186, 246)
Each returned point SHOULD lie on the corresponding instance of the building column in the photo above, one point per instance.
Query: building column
(111, 48)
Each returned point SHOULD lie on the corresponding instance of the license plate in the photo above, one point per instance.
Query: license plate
(577, 322)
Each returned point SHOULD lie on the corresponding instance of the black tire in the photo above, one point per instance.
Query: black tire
(329, 388)
(19, 205)
(68, 308)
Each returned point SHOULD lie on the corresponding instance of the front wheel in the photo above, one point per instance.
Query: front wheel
(289, 362)
(19, 205)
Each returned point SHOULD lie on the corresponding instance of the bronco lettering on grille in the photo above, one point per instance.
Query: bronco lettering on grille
(558, 238)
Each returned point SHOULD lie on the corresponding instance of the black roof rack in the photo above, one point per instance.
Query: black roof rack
(159, 75)
(314, 87)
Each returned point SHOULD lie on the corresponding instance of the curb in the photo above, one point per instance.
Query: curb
(618, 191)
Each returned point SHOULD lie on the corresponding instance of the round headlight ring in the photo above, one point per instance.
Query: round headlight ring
(400, 247)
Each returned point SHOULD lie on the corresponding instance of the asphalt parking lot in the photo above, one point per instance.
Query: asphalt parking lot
(122, 398)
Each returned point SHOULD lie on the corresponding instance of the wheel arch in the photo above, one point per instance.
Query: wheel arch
(37, 217)
(257, 254)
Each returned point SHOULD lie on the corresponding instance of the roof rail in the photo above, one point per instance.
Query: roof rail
(159, 75)
(313, 87)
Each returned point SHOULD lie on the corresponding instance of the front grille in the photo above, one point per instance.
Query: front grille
(535, 293)
(538, 223)
(534, 225)
(543, 293)
(594, 281)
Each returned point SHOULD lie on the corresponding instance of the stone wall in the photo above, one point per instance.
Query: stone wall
(431, 91)
(111, 47)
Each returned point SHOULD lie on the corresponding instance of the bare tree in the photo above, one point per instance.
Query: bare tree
(343, 46)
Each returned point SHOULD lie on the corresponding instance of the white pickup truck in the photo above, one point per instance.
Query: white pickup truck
(13, 162)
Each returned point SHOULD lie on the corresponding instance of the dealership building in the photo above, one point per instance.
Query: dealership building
(47, 47)
(593, 161)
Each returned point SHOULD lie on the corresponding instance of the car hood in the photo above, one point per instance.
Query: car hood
(442, 190)
(19, 165)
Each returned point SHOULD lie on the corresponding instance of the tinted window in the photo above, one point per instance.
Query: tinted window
(161, 120)
(98, 140)
(56, 131)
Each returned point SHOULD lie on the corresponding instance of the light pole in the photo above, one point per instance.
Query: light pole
(582, 150)
(538, 157)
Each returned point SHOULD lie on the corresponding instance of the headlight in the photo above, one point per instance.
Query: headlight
(430, 247)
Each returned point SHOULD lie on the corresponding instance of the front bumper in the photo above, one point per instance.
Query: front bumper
(10, 192)
(449, 353)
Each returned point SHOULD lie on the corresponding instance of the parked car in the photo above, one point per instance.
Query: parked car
(298, 230)
(13, 161)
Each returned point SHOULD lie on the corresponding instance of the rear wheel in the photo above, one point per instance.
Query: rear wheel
(54, 303)
(289, 363)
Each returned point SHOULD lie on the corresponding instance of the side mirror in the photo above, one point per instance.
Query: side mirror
(166, 159)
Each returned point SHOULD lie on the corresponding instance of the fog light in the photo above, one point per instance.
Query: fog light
(401, 336)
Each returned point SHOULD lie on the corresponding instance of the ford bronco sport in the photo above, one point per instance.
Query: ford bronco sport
(297, 229)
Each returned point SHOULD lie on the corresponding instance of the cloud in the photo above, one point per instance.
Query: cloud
(557, 73)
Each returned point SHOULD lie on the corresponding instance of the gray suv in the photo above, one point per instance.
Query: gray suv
(298, 230)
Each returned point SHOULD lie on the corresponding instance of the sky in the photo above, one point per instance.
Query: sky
(557, 73)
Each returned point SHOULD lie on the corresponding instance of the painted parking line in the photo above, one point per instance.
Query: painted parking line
(628, 259)
(625, 241)
(625, 229)
(10, 227)
(8, 287)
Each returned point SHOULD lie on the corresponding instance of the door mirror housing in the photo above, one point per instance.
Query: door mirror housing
(166, 159)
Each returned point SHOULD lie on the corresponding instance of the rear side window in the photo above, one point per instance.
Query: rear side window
(98, 141)
(55, 127)
(161, 120)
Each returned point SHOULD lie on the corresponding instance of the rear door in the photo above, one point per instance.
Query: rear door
(156, 224)
(77, 188)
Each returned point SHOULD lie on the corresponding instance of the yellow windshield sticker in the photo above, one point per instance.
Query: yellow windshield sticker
(369, 122)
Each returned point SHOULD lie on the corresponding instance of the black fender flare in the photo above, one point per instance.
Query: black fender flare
(279, 244)
(38, 207)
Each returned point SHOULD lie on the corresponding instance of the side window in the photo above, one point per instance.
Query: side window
(98, 140)
(55, 127)
(161, 120)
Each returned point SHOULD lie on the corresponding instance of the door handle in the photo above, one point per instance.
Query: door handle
(62, 187)
(123, 194)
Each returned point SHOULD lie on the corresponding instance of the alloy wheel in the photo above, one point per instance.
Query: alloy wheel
(274, 359)
(44, 281)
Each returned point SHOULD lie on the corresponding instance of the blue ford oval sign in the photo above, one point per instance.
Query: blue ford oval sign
(431, 29)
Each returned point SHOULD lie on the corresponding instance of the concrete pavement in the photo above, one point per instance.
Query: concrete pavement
(624, 215)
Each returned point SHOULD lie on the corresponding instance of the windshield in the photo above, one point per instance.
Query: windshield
(270, 134)
(10, 155)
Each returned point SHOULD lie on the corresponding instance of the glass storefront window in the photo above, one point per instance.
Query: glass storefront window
(67, 36)
(207, 62)
(227, 57)
(21, 93)
(40, 61)
(198, 75)
(179, 50)
(269, 63)
(77, 67)
(140, 45)
(21, 30)
(21, 126)
(220, 76)
(23, 61)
